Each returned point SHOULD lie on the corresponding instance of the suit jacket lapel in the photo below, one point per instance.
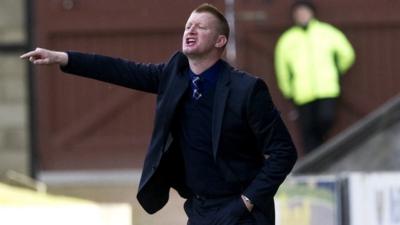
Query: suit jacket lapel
(168, 104)
(180, 85)
(177, 89)
(221, 95)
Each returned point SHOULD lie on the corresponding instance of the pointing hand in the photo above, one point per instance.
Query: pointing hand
(41, 56)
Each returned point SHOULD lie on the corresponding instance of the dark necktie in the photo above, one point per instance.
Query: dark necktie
(196, 87)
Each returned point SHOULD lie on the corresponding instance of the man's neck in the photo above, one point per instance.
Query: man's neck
(199, 65)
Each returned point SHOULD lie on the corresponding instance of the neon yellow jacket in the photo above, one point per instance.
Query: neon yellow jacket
(308, 62)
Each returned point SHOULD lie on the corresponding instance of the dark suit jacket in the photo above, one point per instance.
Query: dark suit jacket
(251, 144)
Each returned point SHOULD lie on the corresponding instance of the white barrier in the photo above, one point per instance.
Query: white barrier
(346, 199)
(374, 198)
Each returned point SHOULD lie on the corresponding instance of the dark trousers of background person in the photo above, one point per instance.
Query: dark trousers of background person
(316, 119)
(218, 211)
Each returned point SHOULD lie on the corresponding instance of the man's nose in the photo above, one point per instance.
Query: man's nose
(192, 29)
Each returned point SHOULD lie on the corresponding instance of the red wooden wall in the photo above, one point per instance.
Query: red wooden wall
(85, 124)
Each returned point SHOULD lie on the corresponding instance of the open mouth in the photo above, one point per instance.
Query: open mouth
(190, 41)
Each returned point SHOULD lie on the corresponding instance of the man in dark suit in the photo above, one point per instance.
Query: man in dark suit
(218, 138)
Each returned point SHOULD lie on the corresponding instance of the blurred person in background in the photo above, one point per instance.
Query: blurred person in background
(218, 138)
(310, 57)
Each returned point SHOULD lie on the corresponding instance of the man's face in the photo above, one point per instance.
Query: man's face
(302, 15)
(201, 35)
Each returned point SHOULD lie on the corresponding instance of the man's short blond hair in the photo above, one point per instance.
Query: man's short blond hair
(223, 26)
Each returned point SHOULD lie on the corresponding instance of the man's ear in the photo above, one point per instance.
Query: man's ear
(221, 41)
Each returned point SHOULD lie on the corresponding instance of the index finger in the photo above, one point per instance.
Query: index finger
(28, 54)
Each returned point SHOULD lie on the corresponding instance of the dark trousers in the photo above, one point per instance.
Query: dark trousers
(218, 211)
(316, 119)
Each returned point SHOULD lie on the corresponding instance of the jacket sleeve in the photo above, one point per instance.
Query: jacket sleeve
(274, 140)
(282, 69)
(143, 77)
(344, 52)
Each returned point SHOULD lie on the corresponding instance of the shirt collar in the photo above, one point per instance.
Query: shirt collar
(210, 75)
